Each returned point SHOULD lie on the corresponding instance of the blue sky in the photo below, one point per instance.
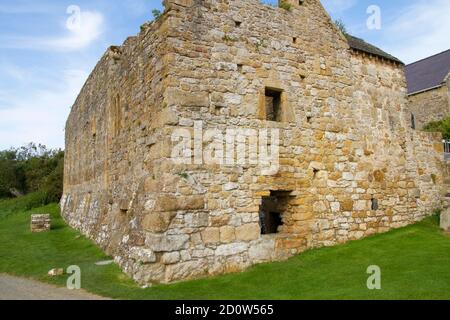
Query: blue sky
(46, 55)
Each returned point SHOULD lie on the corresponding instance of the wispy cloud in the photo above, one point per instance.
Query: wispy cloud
(39, 114)
(24, 8)
(339, 6)
(421, 29)
(13, 72)
(90, 29)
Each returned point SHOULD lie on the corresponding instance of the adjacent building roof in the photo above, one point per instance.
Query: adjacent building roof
(360, 45)
(428, 73)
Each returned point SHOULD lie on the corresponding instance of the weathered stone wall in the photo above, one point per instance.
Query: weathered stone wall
(448, 90)
(428, 106)
(345, 142)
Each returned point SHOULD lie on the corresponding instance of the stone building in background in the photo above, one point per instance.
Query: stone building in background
(349, 163)
(429, 89)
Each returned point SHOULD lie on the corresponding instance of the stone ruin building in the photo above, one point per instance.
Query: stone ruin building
(428, 83)
(350, 165)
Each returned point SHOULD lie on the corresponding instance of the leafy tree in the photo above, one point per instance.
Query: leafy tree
(53, 182)
(11, 176)
(30, 169)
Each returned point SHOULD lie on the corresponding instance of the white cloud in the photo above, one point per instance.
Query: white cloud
(421, 30)
(39, 115)
(90, 28)
(338, 6)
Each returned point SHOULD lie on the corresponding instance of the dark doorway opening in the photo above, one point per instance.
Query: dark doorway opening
(271, 211)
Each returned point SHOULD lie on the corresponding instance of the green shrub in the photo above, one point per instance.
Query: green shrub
(156, 14)
(36, 200)
(442, 126)
(285, 6)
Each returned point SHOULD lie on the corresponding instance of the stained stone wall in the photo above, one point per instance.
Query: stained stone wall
(432, 105)
(345, 142)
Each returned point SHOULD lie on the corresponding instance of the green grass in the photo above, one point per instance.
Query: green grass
(415, 264)
(32, 200)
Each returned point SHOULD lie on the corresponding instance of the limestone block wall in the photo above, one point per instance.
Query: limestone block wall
(350, 165)
(428, 106)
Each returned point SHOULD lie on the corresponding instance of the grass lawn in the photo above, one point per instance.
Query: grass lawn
(415, 264)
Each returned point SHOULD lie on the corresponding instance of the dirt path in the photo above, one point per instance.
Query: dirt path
(13, 288)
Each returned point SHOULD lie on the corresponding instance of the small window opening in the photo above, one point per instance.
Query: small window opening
(240, 66)
(315, 171)
(238, 23)
(308, 119)
(413, 121)
(273, 104)
(294, 40)
(271, 211)
(374, 204)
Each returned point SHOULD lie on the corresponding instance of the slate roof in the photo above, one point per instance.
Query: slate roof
(360, 45)
(428, 73)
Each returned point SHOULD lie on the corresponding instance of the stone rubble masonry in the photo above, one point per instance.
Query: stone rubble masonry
(431, 105)
(346, 141)
(40, 223)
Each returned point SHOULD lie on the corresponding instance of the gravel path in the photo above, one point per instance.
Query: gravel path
(13, 288)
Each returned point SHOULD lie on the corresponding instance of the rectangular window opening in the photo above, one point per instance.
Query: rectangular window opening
(413, 121)
(271, 212)
(374, 204)
(273, 104)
